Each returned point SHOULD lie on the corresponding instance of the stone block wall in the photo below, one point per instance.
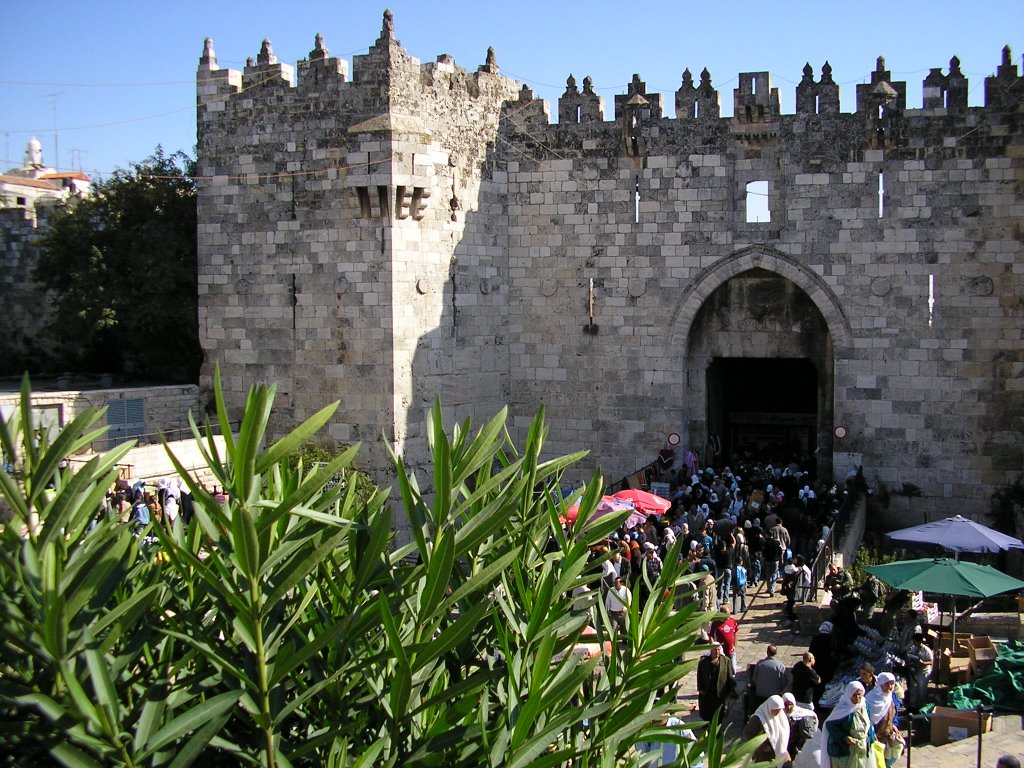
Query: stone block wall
(165, 408)
(23, 302)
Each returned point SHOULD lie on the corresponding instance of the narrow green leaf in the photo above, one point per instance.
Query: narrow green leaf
(245, 543)
(191, 720)
(439, 572)
(72, 756)
(300, 568)
(324, 638)
(369, 758)
(192, 749)
(481, 451)
(441, 453)
(152, 714)
(311, 485)
(222, 412)
(127, 612)
(219, 661)
(369, 556)
(250, 434)
(92, 576)
(294, 439)
(102, 684)
(81, 700)
(458, 632)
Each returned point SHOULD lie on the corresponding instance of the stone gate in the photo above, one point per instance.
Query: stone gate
(838, 286)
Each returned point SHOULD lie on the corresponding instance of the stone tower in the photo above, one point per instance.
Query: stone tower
(342, 220)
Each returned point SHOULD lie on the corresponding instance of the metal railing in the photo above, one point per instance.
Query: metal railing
(824, 555)
(181, 432)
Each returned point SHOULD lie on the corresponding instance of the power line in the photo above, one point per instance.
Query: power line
(94, 85)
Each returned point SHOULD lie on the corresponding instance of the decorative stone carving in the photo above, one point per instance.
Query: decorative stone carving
(981, 286)
(881, 286)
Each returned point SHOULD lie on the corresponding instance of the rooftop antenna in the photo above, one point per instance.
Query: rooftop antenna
(56, 142)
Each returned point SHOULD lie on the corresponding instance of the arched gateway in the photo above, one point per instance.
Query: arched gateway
(761, 334)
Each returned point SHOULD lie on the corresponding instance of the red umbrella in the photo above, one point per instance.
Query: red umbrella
(647, 502)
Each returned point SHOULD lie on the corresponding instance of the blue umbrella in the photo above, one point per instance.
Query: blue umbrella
(958, 534)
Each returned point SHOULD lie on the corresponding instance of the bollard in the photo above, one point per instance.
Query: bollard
(982, 709)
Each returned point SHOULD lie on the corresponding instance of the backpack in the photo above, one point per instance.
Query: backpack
(741, 576)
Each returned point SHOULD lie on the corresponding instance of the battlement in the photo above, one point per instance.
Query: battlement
(387, 66)
(387, 79)
(385, 70)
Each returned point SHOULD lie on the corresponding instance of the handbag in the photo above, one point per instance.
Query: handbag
(878, 753)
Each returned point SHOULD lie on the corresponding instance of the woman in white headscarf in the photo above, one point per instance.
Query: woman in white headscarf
(847, 735)
(882, 705)
(770, 719)
(803, 724)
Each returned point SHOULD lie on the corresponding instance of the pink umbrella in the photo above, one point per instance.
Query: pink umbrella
(647, 502)
(606, 505)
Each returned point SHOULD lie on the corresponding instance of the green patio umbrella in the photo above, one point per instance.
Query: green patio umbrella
(944, 576)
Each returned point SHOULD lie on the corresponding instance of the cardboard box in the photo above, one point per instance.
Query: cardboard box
(981, 650)
(953, 670)
(950, 724)
(956, 646)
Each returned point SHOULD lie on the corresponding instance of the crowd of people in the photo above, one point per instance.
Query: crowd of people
(760, 527)
(739, 527)
(139, 503)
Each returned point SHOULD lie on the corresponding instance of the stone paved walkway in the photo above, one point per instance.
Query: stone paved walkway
(761, 625)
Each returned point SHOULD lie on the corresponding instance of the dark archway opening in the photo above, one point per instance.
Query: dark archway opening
(764, 408)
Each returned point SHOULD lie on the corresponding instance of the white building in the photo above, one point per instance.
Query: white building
(23, 187)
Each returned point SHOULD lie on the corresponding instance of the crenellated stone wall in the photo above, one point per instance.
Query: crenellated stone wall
(425, 230)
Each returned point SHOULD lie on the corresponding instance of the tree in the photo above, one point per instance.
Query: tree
(121, 268)
(284, 627)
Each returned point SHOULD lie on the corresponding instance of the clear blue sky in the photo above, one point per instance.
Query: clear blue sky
(117, 78)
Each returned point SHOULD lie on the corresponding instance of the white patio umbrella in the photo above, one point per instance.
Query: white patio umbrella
(958, 534)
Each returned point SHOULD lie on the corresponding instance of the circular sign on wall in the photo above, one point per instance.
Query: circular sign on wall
(673, 439)
(840, 432)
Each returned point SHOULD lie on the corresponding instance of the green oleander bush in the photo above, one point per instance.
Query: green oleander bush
(285, 627)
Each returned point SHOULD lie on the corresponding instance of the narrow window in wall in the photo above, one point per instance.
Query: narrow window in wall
(636, 200)
(758, 209)
(579, 113)
(881, 194)
(364, 202)
(931, 300)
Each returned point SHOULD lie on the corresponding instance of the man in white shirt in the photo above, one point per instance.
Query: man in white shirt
(617, 601)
